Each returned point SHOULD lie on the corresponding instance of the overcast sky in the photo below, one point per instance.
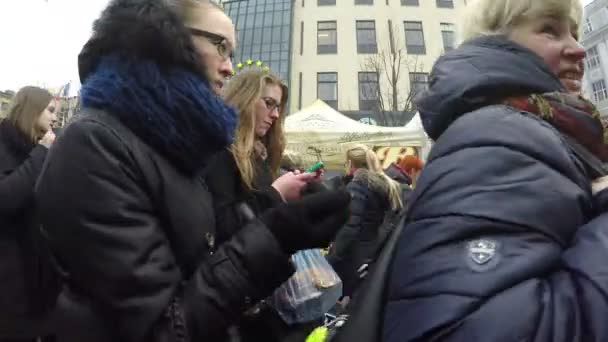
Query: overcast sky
(41, 40)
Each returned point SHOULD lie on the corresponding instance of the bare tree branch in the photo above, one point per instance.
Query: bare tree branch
(390, 63)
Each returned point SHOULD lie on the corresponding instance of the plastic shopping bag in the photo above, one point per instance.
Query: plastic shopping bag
(310, 292)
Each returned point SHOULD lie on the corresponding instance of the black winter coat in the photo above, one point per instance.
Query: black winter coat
(502, 242)
(228, 191)
(136, 239)
(22, 305)
(356, 242)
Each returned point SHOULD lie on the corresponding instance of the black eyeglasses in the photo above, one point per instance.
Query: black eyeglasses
(271, 104)
(220, 42)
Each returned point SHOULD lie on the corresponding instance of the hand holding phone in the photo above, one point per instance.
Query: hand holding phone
(315, 168)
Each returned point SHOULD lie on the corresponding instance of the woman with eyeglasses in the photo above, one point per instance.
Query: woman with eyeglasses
(126, 212)
(243, 178)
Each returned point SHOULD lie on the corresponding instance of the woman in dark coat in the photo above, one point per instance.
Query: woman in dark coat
(373, 195)
(507, 239)
(247, 172)
(25, 136)
(127, 215)
(244, 179)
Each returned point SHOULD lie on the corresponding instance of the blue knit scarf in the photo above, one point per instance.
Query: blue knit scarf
(172, 110)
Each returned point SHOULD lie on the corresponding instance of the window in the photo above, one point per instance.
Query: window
(300, 93)
(327, 88)
(414, 38)
(364, 2)
(326, 2)
(445, 3)
(448, 36)
(588, 27)
(368, 91)
(410, 3)
(418, 83)
(599, 91)
(301, 38)
(366, 37)
(593, 58)
(327, 37)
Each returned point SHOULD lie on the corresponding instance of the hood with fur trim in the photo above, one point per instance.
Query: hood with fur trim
(376, 183)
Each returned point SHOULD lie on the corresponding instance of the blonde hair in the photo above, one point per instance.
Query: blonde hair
(25, 110)
(242, 92)
(494, 17)
(362, 156)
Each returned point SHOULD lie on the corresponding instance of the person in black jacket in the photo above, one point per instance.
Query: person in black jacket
(123, 206)
(506, 238)
(25, 136)
(247, 172)
(373, 194)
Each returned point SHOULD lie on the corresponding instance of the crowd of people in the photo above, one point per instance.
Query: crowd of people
(169, 208)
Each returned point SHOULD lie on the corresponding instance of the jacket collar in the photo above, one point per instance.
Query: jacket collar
(15, 141)
(172, 110)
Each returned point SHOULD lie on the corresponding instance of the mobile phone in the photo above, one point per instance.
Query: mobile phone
(316, 167)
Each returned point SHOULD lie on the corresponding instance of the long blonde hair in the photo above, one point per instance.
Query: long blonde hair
(25, 110)
(242, 92)
(362, 156)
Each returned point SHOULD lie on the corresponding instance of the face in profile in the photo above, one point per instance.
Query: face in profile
(47, 118)
(214, 39)
(267, 109)
(556, 42)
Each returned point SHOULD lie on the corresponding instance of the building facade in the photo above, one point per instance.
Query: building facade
(263, 31)
(595, 41)
(368, 58)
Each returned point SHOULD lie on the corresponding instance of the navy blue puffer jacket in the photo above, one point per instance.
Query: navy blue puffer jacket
(503, 242)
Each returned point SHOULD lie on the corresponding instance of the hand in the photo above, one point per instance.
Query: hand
(290, 185)
(48, 139)
(310, 223)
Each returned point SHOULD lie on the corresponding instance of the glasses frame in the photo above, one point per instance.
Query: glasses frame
(276, 105)
(218, 40)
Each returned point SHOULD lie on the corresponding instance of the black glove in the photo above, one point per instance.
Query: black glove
(309, 223)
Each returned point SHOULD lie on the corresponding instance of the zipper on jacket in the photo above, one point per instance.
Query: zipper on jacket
(210, 242)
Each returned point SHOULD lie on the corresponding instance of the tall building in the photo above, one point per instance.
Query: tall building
(368, 58)
(595, 41)
(263, 30)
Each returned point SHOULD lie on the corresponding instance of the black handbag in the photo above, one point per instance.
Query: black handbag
(365, 313)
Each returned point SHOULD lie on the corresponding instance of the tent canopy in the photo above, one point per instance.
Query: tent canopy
(320, 132)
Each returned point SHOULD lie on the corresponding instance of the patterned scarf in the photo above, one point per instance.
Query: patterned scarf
(570, 114)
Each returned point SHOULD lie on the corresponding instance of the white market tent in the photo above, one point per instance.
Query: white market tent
(320, 132)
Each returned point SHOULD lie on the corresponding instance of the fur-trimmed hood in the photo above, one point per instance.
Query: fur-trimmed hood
(376, 183)
(141, 67)
(147, 30)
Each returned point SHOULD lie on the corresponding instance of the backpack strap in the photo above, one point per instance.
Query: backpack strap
(366, 309)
